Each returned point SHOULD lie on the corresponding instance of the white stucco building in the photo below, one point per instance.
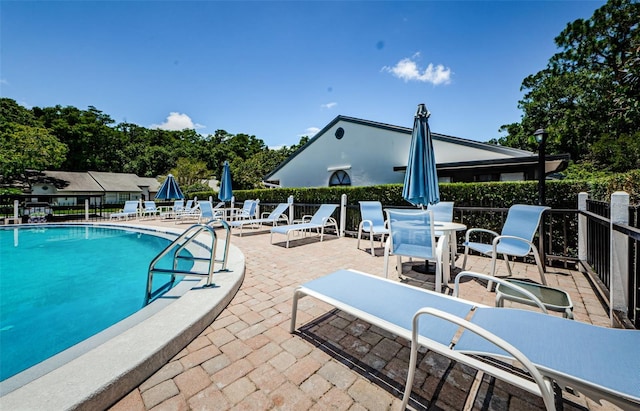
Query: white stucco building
(351, 151)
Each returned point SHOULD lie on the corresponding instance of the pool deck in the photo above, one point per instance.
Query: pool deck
(247, 359)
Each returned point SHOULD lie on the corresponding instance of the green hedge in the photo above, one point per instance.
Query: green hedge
(559, 193)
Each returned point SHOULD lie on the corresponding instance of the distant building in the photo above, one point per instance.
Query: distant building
(112, 188)
(351, 151)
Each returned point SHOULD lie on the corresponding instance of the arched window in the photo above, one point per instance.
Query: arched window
(339, 178)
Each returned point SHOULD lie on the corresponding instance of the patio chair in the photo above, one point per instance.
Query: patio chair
(411, 234)
(150, 209)
(321, 219)
(372, 223)
(273, 218)
(130, 210)
(247, 211)
(584, 358)
(442, 211)
(208, 212)
(515, 239)
(190, 213)
(178, 206)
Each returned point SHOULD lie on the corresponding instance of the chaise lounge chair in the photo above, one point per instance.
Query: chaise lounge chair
(321, 219)
(595, 361)
(273, 218)
(130, 210)
(172, 211)
(150, 209)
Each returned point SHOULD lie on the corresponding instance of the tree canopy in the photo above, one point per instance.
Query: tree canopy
(71, 139)
(588, 96)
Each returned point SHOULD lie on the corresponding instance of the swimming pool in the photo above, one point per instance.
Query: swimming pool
(62, 284)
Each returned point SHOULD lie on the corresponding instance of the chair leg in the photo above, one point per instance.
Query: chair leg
(359, 235)
(386, 261)
(506, 260)
(464, 260)
(493, 270)
(536, 256)
(373, 254)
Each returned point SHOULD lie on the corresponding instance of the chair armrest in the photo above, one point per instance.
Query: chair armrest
(528, 294)
(543, 384)
(363, 222)
(499, 238)
(306, 218)
(478, 230)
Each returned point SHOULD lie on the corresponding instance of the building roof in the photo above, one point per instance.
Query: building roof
(508, 151)
(116, 181)
(152, 183)
(72, 181)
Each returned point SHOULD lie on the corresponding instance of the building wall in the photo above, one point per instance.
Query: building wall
(366, 154)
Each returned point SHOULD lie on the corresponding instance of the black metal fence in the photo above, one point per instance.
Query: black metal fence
(598, 250)
(560, 227)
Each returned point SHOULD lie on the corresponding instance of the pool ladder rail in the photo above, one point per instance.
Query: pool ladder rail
(177, 246)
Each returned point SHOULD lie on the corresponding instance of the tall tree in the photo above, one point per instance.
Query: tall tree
(589, 89)
(25, 148)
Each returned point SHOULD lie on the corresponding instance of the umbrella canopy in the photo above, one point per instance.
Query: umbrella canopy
(169, 190)
(225, 192)
(421, 179)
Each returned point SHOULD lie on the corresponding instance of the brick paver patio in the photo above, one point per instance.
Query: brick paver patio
(247, 359)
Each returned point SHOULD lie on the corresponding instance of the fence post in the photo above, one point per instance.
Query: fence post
(86, 210)
(16, 204)
(290, 201)
(343, 213)
(582, 226)
(619, 264)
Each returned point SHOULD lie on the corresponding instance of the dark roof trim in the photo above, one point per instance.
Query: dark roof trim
(405, 130)
(501, 162)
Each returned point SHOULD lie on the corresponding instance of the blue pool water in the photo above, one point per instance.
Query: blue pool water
(61, 285)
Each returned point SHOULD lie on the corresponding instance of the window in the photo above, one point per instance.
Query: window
(339, 133)
(339, 178)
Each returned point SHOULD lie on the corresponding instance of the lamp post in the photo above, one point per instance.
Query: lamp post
(541, 137)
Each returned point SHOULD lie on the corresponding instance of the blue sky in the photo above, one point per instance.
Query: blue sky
(281, 69)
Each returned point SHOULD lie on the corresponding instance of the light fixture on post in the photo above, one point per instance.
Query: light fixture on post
(541, 137)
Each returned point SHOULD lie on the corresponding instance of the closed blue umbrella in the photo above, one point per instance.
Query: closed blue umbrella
(421, 178)
(169, 190)
(225, 192)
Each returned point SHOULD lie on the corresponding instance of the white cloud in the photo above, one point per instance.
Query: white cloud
(329, 105)
(4, 81)
(177, 121)
(310, 132)
(407, 69)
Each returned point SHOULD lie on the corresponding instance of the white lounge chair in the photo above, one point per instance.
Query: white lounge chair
(595, 361)
(172, 211)
(516, 238)
(372, 223)
(321, 219)
(273, 218)
(150, 209)
(130, 210)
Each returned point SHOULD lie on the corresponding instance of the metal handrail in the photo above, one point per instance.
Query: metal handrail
(182, 241)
